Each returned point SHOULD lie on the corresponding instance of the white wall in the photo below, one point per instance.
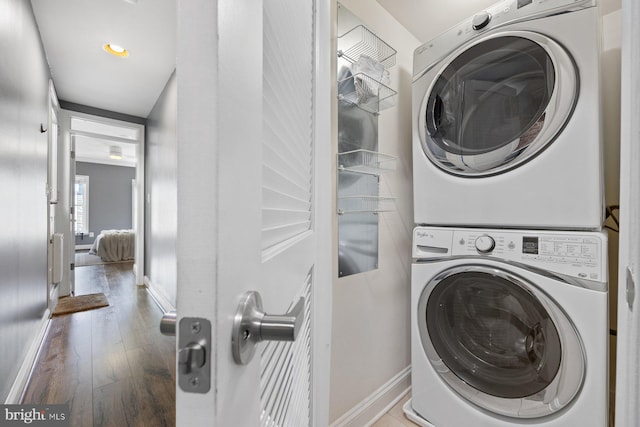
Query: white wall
(371, 330)
(161, 207)
(24, 92)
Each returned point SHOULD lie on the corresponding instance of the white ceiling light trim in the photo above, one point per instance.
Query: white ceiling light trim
(115, 152)
(115, 50)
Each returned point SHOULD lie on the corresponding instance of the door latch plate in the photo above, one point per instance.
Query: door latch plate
(194, 368)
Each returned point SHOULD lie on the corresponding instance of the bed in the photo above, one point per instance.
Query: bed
(114, 245)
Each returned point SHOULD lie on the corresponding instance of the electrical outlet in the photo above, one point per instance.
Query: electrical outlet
(91, 234)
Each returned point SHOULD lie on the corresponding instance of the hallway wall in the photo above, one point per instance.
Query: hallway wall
(23, 177)
(161, 193)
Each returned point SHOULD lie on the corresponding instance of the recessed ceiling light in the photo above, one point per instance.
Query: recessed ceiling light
(116, 50)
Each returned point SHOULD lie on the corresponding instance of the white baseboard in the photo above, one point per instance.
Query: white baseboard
(377, 404)
(83, 247)
(24, 373)
(164, 304)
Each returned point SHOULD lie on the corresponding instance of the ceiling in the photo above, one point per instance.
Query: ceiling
(73, 33)
(96, 150)
(440, 16)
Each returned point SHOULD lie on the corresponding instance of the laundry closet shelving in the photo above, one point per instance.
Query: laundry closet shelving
(363, 61)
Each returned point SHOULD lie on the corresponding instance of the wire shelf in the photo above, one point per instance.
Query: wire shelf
(361, 41)
(366, 92)
(366, 161)
(365, 204)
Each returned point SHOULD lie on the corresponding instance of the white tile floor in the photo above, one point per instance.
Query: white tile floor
(395, 417)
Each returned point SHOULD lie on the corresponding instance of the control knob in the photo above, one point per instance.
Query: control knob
(485, 244)
(481, 20)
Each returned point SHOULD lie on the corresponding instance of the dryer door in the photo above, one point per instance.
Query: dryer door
(497, 103)
(500, 342)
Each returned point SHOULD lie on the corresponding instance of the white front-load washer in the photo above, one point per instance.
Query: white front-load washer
(507, 119)
(509, 328)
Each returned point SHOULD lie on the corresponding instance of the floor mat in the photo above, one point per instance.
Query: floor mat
(68, 305)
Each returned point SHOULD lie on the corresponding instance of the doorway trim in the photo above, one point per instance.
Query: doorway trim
(139, 207)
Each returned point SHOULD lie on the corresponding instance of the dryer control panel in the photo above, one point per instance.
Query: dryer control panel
(579, 254)
(498, 15)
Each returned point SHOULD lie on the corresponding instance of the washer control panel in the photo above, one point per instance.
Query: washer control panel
(579, 254)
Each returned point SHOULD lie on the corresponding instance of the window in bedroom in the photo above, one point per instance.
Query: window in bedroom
(81, 204)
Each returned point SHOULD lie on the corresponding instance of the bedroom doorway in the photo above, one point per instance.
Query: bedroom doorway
(108, 212)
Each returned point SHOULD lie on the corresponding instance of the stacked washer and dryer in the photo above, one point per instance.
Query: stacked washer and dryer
(510, 278)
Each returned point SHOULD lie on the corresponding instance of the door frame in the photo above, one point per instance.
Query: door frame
(139, 178)
(628, 340)
(52, 189)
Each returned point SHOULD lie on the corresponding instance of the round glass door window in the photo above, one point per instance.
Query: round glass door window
(493, 335)
(497, 104)
(503, 347)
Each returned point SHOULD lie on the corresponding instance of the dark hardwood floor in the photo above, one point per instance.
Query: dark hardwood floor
(110, 365)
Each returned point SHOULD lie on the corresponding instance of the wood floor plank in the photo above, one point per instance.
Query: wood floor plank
(115, 406)
(153, 385)
(63, 374)
(111, 365)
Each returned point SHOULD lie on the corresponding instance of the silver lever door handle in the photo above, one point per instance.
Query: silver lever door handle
(282, 328)
(251, 326)
(168, 324)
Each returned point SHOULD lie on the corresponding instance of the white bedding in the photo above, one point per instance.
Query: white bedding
(114, 245)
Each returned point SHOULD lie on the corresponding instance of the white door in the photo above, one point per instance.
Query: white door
(628, 368)
(70, 238)
(254, 205)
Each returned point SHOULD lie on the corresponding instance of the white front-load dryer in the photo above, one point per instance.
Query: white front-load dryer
(507, 119)
(509, 328)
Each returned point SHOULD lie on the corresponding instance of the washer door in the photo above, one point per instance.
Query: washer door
(500, 342)
(497, 103)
